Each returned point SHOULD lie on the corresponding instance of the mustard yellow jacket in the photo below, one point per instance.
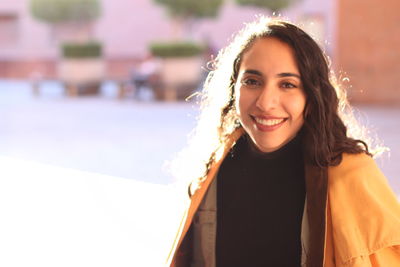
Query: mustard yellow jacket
(351, 217)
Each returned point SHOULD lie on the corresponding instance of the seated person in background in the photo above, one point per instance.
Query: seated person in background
(145, 74)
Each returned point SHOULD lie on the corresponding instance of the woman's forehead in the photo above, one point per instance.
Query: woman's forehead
(269, 54)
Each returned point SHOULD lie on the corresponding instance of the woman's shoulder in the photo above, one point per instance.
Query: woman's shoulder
(357, 183)
(365, 213)
(354, 165)
(357, 175)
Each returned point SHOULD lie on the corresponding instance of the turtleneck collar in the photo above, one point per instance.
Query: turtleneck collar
(292, 146)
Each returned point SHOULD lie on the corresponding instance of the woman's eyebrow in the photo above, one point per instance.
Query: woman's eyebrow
(283, 74)
(288, 74)
(255, 72)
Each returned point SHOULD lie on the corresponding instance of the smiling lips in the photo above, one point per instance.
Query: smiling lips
(266, 124)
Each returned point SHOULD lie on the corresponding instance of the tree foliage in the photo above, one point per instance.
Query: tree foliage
(192, 8)
(273, 5)
(60, 11)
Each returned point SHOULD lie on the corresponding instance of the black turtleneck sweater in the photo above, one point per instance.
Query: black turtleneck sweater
(260, 202)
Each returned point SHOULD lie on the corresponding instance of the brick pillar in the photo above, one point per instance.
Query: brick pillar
(368, 49)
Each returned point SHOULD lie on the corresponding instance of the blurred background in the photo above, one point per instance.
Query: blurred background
(99, 87)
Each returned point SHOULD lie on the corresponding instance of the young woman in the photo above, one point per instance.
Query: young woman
(282, 183)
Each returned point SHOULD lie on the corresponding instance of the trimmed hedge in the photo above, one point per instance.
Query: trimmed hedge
(76, 50)
(178, 49)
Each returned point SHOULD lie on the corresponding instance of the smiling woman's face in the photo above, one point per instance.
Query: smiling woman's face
(270, 99)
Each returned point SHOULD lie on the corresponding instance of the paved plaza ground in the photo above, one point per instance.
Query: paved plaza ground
(83, 182)
(127, 138)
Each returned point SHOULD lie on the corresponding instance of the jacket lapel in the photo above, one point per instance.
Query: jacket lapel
(197, 192)
(316, 188)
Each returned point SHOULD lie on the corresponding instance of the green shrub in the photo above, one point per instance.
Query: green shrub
(178, 49)
(86, 50)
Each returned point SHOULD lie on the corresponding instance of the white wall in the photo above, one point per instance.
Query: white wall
(34, 37)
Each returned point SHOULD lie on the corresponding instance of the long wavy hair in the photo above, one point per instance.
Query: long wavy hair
(329, 129)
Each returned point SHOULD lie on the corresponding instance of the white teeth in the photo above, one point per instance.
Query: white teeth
(269, 122)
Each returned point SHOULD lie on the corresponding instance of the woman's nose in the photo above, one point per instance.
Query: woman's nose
(268, 98)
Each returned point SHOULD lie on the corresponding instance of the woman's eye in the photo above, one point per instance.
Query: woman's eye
(288, 85)
(251, 82)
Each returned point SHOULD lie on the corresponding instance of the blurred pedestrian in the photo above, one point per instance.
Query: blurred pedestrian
(276, 180)
(146, 74)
